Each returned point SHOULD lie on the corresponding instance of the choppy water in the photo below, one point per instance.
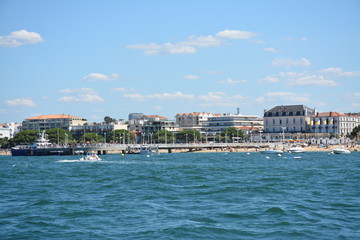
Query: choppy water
(181, 196)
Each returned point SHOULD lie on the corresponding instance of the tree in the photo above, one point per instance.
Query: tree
(163, 136)
(188, 136)
(230, 133)
(25, 137)
(59, 135)
(92, 138)
(120, 136)
(108, 119)
(355, 132)
(4, 143)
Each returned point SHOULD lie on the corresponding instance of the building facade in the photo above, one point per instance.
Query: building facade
(102, 129)
(217, 124)
(45, 122)
(288, 119)
(334, 123)
(192, 121)
(8, 130)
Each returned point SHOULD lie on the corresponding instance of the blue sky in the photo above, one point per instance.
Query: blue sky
(93, 59)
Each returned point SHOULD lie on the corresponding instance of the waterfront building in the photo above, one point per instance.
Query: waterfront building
(334, 123)
(288, 119)
(45, 122)
(192, 121)
(8, 130)
(154, 125)
(217, 124)
(102, 129)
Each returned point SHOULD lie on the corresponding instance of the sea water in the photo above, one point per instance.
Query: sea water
(181, 196)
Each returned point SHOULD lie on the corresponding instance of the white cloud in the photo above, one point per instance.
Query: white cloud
(20, 38)
(191, 77)
(89, 98)
(269, 79)
(101, 77)
(236, 34)
(78, 90)
(231, 81)
(17, 102)
(202, 41)
(339, 72)
(287, 62)
(167, 48)
(318, 80)
(212, 96)
(221, 99)
(123, 90)
(159, 96)
(284, 97)
(191, 44)
(270, 49)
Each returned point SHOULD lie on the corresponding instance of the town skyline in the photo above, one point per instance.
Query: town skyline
(95, 59)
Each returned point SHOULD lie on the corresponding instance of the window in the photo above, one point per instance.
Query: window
(294, 120)
(287, 121)
(280, 121)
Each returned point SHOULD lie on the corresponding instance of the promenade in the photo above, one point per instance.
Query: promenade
(107, 148)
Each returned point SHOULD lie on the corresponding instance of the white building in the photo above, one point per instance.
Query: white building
(288, 119)
(334, 123)
(45, 122)
(192, 121)
(8, 130)
(98, 128)
(217, 124)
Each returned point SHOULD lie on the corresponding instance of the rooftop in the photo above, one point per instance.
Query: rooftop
(55, 116)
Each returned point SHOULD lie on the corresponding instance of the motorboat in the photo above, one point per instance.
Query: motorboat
(340, 151)
(296, 150)
(90, 156)
(148, 150)
(271, 151)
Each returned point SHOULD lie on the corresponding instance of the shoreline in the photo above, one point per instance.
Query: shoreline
(353, 148)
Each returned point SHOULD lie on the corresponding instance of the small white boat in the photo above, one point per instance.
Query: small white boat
(90, 156)
(271, 151)
(296, 150)
(340, 151)
(147, 150)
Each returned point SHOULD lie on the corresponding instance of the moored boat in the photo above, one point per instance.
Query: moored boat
(296, 150)
(340, 151)
(35, 149)
(148, 150)
(271, 151)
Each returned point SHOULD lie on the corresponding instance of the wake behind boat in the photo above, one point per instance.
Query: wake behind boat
(90, 156)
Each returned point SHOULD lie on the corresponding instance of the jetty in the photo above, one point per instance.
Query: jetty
(106, 148)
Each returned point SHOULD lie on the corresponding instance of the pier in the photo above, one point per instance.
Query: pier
(105, 148)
